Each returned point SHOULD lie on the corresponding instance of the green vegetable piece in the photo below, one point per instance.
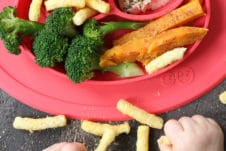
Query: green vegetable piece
(14, 29)
(60, 21)
(93, 29)
(82, 59)
(125, 70)
(49, 48)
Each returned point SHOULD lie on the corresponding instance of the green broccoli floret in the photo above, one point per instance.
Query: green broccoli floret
(14, 29)
(93, 29)
(51, 43)
(82, 59)
(49, 47)
(60, 21)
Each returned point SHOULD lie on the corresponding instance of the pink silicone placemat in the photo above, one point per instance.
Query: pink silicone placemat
(56, 94)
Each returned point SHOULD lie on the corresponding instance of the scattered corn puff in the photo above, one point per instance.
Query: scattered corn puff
(140, 115)
(142, 143)
(222, 97)
(107, 131)
(98, 5)
(99, 128)
(82, 15)
(107, 138)
(32, 124)
(34, 10)
(165, 59)
(53, 4)
(164, 140)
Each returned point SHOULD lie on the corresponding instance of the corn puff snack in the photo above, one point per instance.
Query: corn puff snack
(107, 131)
(222, 97)
(139, 114)
(35, 10)
(107, 138)
(82, 15)
(164, 140)
(142, 143)
(31, 124)
(99, 128)
(165, 59)
(53, 4)
(98, 5)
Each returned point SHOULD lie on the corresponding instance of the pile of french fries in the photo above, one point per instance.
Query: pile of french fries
(84, 8)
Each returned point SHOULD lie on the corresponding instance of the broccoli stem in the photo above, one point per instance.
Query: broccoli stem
(109, 27)
(125, 70)
(25, 27)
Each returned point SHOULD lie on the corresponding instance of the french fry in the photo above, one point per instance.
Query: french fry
(99, 128)
(177, 17)
(99, 5)
(32, 124)
(222, 97)
(146, 49)
(165, 59)
(139, 114)
(142, 143)
(34, 10)
(164, 140)
(53, 4)
(82, 15)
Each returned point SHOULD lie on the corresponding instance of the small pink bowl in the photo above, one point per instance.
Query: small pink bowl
(149, 15)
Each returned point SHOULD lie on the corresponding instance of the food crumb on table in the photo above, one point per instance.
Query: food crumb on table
(222, 97)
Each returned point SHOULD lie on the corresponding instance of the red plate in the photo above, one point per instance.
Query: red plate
(53, 92)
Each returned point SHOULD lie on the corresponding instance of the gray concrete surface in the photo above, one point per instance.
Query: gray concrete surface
(17, 140)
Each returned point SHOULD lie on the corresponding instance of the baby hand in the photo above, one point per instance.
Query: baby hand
(193, 134)
(66, 147)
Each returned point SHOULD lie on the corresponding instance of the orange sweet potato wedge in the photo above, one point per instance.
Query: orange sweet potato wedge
(171, 39)
(177, 17)
(147, 48)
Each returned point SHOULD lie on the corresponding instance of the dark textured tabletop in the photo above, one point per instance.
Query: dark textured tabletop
(18, 140)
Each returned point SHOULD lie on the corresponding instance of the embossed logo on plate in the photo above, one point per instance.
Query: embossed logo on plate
(183, 75)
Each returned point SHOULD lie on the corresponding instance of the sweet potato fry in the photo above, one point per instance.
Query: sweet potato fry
(177, 17)
(146, 49)
(173, 38)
